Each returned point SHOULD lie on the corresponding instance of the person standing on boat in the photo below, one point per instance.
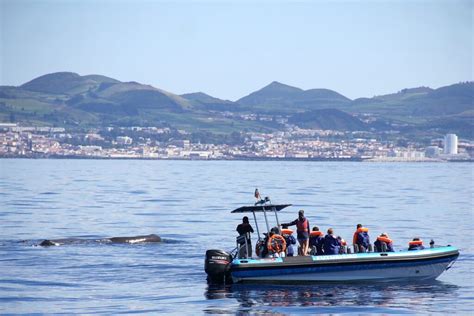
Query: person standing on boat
(302, 232)
(244, 230)
(332, 245)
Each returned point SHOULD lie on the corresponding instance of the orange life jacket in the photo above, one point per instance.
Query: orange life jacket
(315, 233)
(302, 226)
(359, 230)
(415, 242)
(286, 231)
(384, 239)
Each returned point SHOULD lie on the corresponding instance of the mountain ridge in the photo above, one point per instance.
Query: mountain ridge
(67, 98)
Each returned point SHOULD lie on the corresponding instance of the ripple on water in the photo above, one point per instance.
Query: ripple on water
(188, 204)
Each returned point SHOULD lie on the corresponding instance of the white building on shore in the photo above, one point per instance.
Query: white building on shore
(450, 144)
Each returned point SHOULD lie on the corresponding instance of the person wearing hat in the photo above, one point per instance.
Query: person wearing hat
(302, 232)
(244, 230)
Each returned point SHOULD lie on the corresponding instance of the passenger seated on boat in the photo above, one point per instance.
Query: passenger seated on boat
(263, 245)
(416, 244)
(244, 230)
(361, 240)
(316, 241)
(290, 241)
(302, 230)
(383, 243)
(343, 249)
(332, 245)
(276, 244)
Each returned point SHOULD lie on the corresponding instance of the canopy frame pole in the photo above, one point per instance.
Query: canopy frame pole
(276, 216)
(266, 219)
(256, 225)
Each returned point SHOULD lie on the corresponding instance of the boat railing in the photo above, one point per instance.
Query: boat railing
(242, 246)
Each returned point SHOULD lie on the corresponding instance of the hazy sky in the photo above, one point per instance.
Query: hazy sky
(229, 49)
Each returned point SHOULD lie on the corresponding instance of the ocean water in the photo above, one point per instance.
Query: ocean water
(188, 203)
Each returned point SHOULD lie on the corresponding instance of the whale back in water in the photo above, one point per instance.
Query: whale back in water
(117, 240)
(136, 239)
(58, 242)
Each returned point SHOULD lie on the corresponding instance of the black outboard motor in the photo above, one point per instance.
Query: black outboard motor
(217, 266)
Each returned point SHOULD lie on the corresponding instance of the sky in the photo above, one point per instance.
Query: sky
(229, 49)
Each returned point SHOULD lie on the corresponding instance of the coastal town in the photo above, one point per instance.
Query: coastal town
(293, 143)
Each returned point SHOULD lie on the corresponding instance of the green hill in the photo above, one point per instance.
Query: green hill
(280, 98)
(440, 110)
(204, 101)
(65, 83)
(69, 99)
(420, 103)
(328, 119)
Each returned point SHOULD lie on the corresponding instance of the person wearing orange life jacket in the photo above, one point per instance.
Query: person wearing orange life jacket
(302, 231)
(383, 239)
(316, 242)
(416, 244)
(276, 243)
(361, 238)
(290, 240)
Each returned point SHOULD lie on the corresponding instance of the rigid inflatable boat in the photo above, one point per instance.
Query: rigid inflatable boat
(426, 264)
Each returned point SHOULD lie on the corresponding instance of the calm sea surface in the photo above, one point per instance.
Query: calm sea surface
(188, 203)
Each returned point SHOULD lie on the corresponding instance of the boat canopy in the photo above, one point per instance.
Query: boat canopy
(260, 208)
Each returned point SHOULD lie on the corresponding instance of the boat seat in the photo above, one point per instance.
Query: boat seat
(242, 247)
(362, 249)
(356, 248)
(382, 248)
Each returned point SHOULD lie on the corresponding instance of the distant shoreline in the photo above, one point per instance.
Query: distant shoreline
(246, 159)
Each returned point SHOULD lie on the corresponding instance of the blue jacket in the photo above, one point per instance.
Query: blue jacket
(331, 245)
(363, 239)
(290, 241)
(317, 241)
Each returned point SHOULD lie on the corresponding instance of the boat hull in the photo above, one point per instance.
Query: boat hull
(385, 267)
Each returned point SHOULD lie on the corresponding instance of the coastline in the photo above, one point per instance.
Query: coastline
(352, 159)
